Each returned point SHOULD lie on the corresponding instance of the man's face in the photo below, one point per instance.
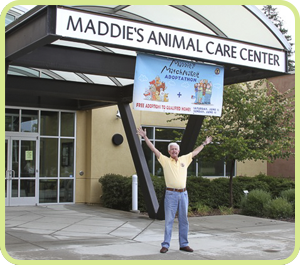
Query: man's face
(174, 151)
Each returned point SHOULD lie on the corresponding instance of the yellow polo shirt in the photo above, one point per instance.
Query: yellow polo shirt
(175, 172)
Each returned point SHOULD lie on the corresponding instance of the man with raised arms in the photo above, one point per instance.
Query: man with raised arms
(176, 196)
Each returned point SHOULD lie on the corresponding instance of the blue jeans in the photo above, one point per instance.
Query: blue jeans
(176, 201)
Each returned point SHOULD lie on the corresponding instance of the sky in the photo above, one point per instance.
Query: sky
(288, 19)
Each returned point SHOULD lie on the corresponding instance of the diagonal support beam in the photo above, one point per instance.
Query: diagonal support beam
(191, 133)
(139, 160)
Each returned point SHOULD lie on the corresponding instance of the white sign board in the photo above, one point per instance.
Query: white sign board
(176, 86)
(109, 30)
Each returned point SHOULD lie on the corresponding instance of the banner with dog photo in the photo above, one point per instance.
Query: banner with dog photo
(170, 85)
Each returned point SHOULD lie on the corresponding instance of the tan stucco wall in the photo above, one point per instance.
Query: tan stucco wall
(83, 133)
(251, 168)
(96, 155)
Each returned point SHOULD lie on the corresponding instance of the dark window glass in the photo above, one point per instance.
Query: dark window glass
(49, 123)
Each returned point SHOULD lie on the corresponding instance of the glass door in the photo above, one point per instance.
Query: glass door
(21, 171)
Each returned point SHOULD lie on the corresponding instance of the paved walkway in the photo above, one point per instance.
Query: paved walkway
(90, 232)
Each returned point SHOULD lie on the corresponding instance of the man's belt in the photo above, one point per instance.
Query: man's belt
(178, 190)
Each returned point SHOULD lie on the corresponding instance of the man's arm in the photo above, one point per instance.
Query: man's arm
(200, 147)
(143, 134)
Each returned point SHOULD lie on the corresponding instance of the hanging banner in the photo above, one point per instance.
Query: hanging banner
(177, 86)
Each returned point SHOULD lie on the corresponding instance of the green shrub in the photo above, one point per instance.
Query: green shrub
(220, 195)
(159, 187)
(279, 208)
(252, 183)
(276, 184)
(201, 209)
(254, 203)
(116, 191)
(213, 194)
(225, 210)
(289, 195)
(199, 190)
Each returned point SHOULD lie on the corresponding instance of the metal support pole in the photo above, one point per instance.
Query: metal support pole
(139, 160)
(134, 208)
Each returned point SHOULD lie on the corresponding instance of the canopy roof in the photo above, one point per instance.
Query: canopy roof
(245, 23)
(77, 73)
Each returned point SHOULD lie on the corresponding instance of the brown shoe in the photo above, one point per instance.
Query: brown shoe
(187, 249)
(164, 250)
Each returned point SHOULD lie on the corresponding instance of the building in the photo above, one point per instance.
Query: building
(282, 167)
(65, 89)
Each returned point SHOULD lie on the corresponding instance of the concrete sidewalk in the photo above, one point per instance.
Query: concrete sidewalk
(90, 232)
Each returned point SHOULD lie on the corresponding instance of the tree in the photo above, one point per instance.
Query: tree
(256, 124)
(272, 13)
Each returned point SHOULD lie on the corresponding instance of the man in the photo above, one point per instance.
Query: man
(176, 196)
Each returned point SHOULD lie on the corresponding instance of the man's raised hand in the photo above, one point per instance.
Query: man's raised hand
(141, 132)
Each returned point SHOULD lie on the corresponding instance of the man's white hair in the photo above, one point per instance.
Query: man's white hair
(169, 146)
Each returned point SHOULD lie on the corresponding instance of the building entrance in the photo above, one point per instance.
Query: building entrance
(21, 170)
(40, 149)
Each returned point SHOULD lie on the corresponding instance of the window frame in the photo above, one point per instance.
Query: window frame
(60, 139)
(197, 160)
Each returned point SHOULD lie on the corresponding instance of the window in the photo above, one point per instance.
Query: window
(29, 121)
(48, 158)
(49, 123)
(67, 124)
(67, 158)
(161, 137)
(12, 117)
(55, 134)
(8, 19)
(57, 145)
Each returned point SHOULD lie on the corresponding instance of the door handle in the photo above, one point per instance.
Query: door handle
(11, 174)
(8, 174)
